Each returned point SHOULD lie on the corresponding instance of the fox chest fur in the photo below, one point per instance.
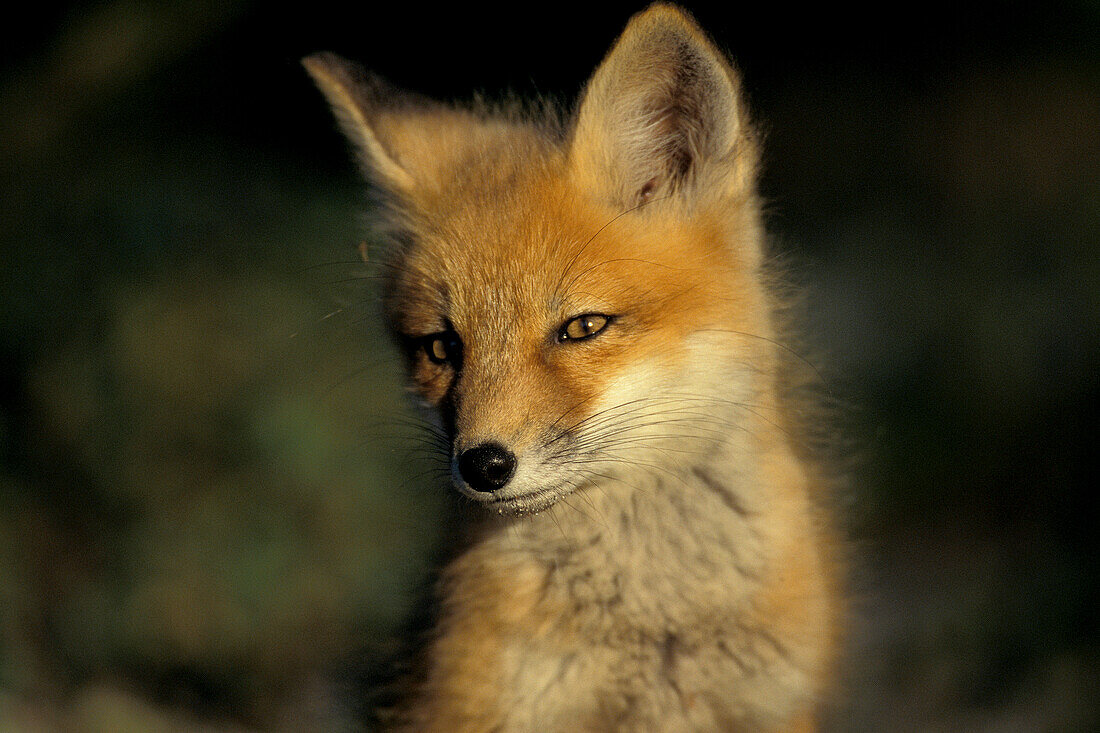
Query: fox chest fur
(583, 304)
(654, 614)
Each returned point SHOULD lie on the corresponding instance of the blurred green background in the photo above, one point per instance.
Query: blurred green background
(211, 505)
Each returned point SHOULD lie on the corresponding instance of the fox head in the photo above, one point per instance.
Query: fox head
(580, 300)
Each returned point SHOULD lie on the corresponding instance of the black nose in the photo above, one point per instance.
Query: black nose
(487, 467)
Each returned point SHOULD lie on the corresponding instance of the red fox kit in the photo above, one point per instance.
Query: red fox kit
(584, 305)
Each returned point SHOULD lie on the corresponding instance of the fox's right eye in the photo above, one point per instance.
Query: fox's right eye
(444, 347)
(583, 327)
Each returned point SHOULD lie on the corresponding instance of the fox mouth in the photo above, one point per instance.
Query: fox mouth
(530, 502)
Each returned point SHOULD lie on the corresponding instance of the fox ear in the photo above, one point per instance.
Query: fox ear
(357, 97)
(659, 112)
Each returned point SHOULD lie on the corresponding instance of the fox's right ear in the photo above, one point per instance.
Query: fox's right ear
(357, 98)
(662, 116)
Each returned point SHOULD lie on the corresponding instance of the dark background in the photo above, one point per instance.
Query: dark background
(210, 505)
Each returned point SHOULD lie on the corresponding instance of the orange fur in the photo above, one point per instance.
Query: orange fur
(652, 554)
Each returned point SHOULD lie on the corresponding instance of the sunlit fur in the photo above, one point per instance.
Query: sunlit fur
(657, 561)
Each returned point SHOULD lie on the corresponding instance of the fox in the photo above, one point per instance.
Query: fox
(586, 305)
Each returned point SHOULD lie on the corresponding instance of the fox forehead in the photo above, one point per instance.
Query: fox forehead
(503, 241)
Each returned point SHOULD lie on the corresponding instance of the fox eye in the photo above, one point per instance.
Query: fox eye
(443, 348)
(582, 327)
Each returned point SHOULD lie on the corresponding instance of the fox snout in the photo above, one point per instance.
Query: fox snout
(486, 467)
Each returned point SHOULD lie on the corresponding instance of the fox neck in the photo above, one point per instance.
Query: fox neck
(649, 545)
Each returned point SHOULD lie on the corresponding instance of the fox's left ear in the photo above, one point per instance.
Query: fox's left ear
(662, 115)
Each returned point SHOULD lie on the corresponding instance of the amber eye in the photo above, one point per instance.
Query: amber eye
(443, 348)
(583, 327)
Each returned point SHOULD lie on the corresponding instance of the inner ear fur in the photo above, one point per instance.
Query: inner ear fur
(662, 115)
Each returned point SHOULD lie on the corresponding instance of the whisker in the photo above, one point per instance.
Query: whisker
(572, 260)
(587, 270)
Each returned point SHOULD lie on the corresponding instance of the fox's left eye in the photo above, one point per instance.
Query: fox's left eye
(582, 327)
